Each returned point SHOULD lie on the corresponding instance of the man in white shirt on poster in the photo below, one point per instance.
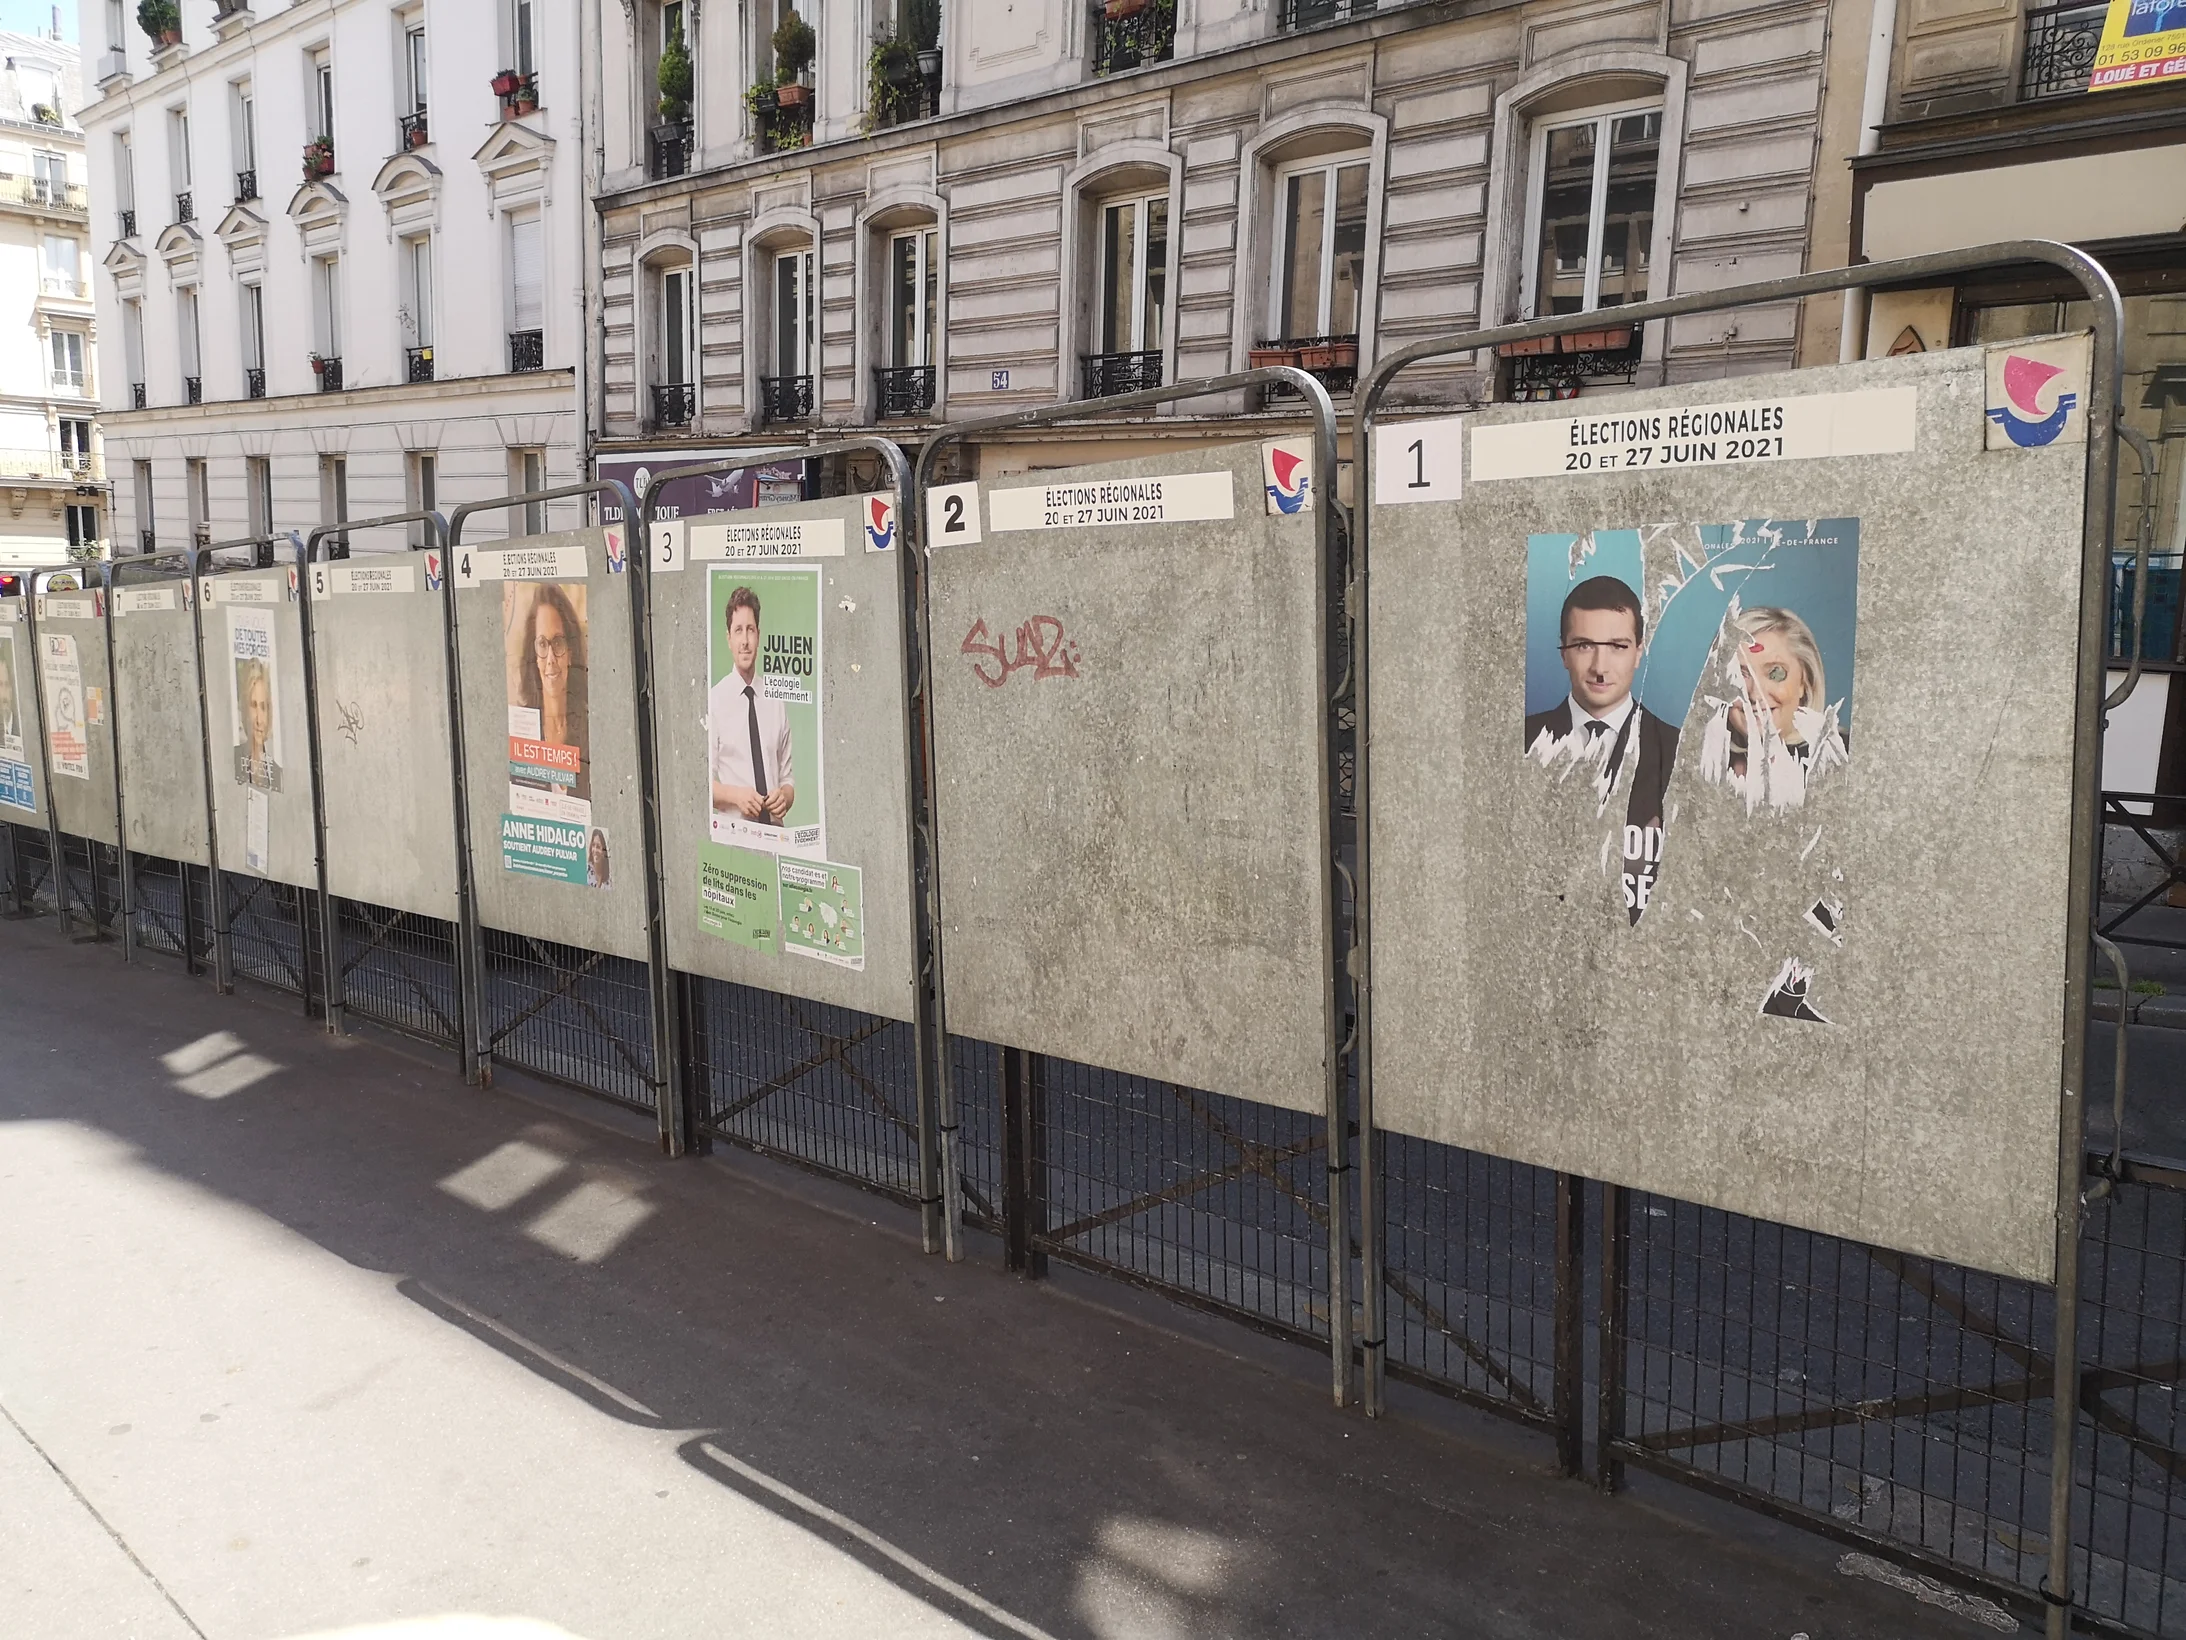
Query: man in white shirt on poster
(747, 733)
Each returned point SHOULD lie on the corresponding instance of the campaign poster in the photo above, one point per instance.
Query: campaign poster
(763, 709)
(546, 827)
(16, 791)
(2143, 41)
(823, 911)
(739, 895)
(66, 742)
(253, 707)
(1726, 648)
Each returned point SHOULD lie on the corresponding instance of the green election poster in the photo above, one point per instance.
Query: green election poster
(738, 895)
(823, 911)
(763, 709)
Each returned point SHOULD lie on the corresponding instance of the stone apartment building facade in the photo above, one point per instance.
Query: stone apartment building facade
(1032, 201)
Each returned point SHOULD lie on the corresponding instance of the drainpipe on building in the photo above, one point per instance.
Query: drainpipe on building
(591, 405)
(1874, 101)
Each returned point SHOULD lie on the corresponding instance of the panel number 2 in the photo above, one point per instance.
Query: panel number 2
(952, 515)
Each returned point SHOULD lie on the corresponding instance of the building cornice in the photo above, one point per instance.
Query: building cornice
(1251, 57)
(405, 396)
(2012, 136)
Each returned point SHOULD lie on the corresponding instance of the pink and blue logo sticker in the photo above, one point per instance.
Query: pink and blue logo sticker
(2037, 394)
(617, 559)
(432, 572)
(880, 523)
(1286, 471)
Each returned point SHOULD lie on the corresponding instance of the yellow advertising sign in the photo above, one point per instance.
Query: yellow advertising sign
(2143, 41)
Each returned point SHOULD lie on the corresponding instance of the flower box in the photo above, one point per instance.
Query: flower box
(1344, 356)
(1607, 340)
(1117, 10)
(793, 95)
(1272, 358)
(505, 82)
(1532, 347)
(419, 136)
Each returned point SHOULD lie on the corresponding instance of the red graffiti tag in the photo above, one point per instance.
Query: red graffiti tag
(1041, 646)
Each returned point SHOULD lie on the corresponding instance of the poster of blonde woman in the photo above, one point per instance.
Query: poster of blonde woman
(252, 701)
(546, 831)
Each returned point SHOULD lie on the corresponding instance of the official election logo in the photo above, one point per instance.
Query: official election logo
(617, 560)
(880, 523)
(1286, 469)
(2037, 394)
(432, 572)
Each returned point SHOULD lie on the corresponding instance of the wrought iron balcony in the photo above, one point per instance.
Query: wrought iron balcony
(1334, 360)
(901, 390)
(147, 540)
(420, 362)
(2060, 49)
(669, 150)
(675, 405)
(900, 102)
(128, 224)
(330, 374)
(193, 390)
(413, 130)
(1124, 42)
(254, 381)
(185, 208)
(527, 351)
(136, 395)
(1107, 374)
(49, 193)
(786, 128)
(1298, 14)
(246, 186)
(785, 398)
(1557, 368)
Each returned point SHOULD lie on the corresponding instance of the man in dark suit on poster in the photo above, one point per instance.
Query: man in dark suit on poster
(1601, 637)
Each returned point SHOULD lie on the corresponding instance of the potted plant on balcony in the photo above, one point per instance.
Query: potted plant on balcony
(318, 364)
(162, 20)
(45, 113)
(1117, 10)
(922, 28)
(763, 99)
(673, 80)
(794, 48)
(525, 98)
(1606, 340)
(1343, 355)
(1272, 357)
(419, 135)
(318, 158)
(505, 82)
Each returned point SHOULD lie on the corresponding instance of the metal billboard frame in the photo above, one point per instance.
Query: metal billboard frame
(1329, 516)
(2103, 420)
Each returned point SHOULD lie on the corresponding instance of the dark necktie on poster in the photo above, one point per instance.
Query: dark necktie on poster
(758, 759)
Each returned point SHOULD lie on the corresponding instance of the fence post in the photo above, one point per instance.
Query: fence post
(125, 882)
(695, 1068)
(1569, 1398)
(1616, 1258)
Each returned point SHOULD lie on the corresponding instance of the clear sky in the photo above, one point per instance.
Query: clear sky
(35, 16)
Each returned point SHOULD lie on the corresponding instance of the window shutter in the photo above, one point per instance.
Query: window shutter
(527, 273)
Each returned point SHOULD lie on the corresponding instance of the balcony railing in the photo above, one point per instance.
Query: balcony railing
(246, 186)
(669, 151)
(1557, 367)
(1297, 14)
(147, 540)
(420, 362)
(1107, 374)
(785, 398)
(527, 351)
(128, 224)
(330, 374)
(46, 193)
(185, 207)
(254, 381)
(61, 285)
(786, 128)
(136, 395)
(412, 130)
(1333, 360)
(67, 465)
(675, 405)
(193, 390)
(1125, 42)
(2060, 49)
(902, 390)
(915, 98)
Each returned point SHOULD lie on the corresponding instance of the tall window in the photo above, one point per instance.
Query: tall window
(197, 487)
(254, 340)
(421, 489)
(794, 320)
(141, 484)
(60, 274)
(75, 444)
(178, 160)
(1324, 250)
(334, 492)
(914, 298)
(49, 176)
(186, 337)
(132, 346)
(243, 131)
(527, 288)
(521, 35)
(258, 483)
(675, 327)
(326, 303)
(68, 351)
(413, 61)
(1592, 211)
(125, 181)
(1135, 275)
(83, 526)
(417, 291)
(528, 472)
(322, 94)
(117, 27)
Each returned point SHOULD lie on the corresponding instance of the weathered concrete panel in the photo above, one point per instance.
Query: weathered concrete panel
(19, 722)
(493, 618)
(84, 805)
(862, 774)
(156, 721)
(1521, 1010)
(1132, 821)
(261, 807)
(380, 643)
